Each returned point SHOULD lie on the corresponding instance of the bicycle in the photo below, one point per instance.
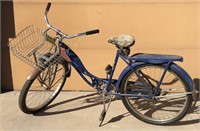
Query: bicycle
(153, 88)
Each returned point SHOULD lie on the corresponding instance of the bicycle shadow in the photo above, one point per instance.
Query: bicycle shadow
(94, 99)
(89, 100)
(193, 115)
(117, 118)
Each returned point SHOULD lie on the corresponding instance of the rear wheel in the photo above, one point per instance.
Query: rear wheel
(36, 94)
(172, 101)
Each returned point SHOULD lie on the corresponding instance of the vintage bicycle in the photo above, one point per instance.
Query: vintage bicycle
(152, 87)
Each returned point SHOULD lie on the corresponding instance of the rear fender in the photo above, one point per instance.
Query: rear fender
(174, 66)
(188, 79)
(124, 72)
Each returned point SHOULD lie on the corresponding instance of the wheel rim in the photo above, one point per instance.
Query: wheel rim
(164, 108)
(45, 87)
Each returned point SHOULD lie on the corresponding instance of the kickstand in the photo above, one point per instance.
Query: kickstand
(104, 111)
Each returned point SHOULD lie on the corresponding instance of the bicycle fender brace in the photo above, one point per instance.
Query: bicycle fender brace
(172, 66)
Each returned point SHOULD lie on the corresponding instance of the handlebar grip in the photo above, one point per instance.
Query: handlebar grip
(92, 32)
(48, 6)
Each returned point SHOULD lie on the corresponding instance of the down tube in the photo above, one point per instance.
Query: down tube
(79, 67)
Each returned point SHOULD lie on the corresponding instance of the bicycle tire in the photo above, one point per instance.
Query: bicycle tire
(26, 90)
(141, 112)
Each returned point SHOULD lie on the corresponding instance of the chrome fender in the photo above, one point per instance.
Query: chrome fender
(34, 73)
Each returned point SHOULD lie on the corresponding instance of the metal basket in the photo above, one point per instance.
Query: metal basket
(30, 46)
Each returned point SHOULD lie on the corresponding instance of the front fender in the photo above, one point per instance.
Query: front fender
(173, 66)
(36, 71)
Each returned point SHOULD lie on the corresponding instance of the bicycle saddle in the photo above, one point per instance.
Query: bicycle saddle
(122, 41)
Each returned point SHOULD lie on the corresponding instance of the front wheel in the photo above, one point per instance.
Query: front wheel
(171, 102)
(36, 94)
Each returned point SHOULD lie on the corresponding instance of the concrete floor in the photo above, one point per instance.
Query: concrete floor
(75, 111)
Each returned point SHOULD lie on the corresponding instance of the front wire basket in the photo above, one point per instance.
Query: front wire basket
(32, 46)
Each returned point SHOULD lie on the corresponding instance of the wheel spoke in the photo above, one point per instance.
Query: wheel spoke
(172, 97)
(44, 88)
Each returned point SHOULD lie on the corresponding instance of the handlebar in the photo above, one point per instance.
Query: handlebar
(63, 35)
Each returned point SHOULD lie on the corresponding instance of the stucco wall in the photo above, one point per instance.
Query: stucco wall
(159, 26)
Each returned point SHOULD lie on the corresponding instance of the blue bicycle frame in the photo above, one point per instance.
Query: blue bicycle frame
(150, 97)
(132, 62)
